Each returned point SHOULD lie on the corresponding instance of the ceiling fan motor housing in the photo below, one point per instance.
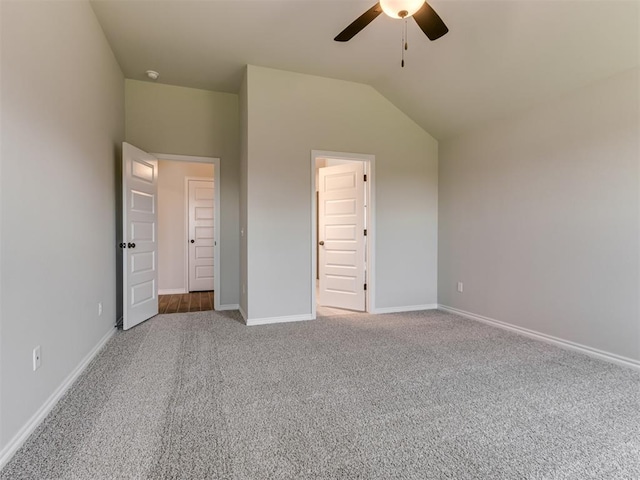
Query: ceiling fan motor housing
(401, 8)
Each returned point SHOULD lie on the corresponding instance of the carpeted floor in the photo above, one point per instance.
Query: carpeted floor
(422, 395)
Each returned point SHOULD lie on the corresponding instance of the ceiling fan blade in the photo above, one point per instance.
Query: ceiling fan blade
(430, 23)
(362, 21)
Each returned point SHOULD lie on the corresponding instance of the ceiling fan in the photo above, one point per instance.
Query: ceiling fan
(425, 16)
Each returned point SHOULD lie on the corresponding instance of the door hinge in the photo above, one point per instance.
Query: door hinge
(365, 232)
(365, 286)
(365, 177)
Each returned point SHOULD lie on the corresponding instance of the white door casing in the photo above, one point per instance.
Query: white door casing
(341, 236)
(140, 256)
(201, 235)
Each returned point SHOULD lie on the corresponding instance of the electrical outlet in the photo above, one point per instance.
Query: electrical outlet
(37, 358)
(460, 287)
(243, 289)
(99, 309)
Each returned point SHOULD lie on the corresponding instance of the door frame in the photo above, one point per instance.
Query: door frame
(187, 214)
(369, 162)
(216, 221)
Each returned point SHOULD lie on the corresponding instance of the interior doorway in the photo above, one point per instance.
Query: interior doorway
(188, 228)
(343, 234)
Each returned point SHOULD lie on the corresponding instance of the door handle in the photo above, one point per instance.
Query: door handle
(321, 242)
(193, 241)
(123, 245)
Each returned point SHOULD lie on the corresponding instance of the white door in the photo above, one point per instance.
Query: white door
(201, 235)
(140, 256)
(341, 236)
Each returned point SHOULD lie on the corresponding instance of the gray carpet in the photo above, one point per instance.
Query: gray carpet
(423, 395)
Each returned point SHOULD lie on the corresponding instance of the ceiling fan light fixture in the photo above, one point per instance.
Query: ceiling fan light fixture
(401, 8)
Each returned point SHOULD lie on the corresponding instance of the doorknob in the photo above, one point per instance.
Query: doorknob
(193, 241)
(321, 242)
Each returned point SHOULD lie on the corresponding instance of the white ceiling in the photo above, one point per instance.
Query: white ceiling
(499, 56)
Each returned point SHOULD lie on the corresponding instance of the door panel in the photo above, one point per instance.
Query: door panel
(204, 252)
(204, 213)
(338, 258)
(142, 293)
(204, 272)
(140, 258)
(346, 233)
(142, 231)
(341, 233)
(201, 232)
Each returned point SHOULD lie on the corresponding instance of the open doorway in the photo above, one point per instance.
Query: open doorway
(188, 228)
(343, 235)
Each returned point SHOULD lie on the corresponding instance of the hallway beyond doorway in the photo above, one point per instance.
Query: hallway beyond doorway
(186, 302)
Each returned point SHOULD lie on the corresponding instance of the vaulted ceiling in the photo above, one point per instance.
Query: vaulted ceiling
(498, 57)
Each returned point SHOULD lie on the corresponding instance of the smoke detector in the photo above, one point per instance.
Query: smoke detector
(152, 74)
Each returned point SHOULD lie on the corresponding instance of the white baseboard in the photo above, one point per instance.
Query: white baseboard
(409, 308)
(172, 291)
(269, 320)
(243, 313)
(19, 438)
(229, 306)
(592, 352)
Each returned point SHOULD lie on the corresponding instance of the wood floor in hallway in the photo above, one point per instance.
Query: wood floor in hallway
(185, 302)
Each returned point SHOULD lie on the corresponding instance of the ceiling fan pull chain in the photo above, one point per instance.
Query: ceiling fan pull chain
(404, 40)
(406, 35)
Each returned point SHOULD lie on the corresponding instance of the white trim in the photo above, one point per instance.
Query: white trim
(592, 352)
(370, 163)
(230, 306)
(184, 158)
(243, 313)
(407, 308)
(172, 291)
(269, 320)
(19, 438)
(217, 208)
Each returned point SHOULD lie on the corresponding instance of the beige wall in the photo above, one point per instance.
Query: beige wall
(288, 116)
(186, 121)
(172, 243)
(539, 218)
(62, 124)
